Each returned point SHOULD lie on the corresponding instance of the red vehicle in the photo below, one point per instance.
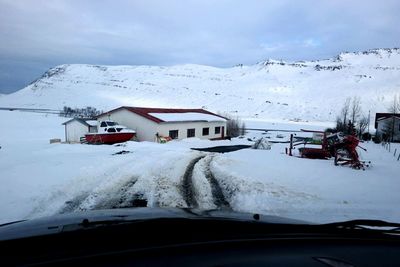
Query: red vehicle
(345, 153)
(110, 133)
(342, 148)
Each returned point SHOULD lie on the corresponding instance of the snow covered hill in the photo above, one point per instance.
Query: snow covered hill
(271, 90)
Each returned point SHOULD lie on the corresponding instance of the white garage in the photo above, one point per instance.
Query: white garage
(151, 123)
(76, 128)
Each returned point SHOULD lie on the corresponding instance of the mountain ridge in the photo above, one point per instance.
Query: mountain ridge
(269, 89)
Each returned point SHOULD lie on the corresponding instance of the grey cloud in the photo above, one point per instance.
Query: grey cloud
(39, 34)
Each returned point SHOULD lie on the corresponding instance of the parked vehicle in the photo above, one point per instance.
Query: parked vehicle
(342, 148)
(110, 132)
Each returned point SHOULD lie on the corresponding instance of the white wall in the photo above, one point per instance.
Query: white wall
(164, 128)
(382, 126)
(145, 128)
(74, 131)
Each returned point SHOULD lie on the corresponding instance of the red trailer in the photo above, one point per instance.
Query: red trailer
(311, 152)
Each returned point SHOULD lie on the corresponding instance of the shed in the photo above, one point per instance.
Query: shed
(150, 123)
(387, 126)
(77, 128)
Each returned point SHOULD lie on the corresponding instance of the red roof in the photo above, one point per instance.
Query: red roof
(144, 112)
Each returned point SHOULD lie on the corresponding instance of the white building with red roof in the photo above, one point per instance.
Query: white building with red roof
(151, 123)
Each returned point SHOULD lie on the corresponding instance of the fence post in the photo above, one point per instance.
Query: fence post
(291, 145)
(398, 158)
(395, 151)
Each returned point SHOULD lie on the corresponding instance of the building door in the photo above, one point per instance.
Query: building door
(223, 132)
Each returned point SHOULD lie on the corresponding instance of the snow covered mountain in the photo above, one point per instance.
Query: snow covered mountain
(277, 90)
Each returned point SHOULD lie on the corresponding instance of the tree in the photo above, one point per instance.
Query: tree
(395, 104)
(243, 129)
(362, 125)
(234, 126)
(88, 112)
(340, 127)
(351, 128)
(366, 136)
(377, 139)
(355, 109)
(345, 110)
(344, 122)
(351, 120)
(389, 125)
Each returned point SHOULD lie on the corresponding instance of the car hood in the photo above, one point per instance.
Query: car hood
(69, 222)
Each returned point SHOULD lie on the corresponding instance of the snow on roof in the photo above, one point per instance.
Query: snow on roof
(188, 116)
(146, 113)
(87, 122)
(387, 118)
(92, 122)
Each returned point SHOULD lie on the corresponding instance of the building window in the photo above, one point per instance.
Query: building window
(173, 134)
(191, 132)
(206, 131)
(218, 130)
(92, 129)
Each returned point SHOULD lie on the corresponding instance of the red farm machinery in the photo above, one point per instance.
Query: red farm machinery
(323, 146)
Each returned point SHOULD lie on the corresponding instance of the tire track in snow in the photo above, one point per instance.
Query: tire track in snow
(166, 188)
(123, 196)
(73, 204)
(120, 197)
(187, 184)
(216, 190)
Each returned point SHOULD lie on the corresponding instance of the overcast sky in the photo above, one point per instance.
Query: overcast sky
(36, 35)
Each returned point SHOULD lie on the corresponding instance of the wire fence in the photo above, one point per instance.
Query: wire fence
(392, 148)
(35, 110)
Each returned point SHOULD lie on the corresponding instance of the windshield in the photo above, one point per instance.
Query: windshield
(282, 108)
(111, 123)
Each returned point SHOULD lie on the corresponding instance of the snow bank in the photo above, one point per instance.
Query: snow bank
(313, 190)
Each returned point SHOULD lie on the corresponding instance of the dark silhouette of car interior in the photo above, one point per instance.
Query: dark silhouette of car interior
(187, 237)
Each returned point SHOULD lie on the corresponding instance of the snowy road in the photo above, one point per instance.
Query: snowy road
(198, 188)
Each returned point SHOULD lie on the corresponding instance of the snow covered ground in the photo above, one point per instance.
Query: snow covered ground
(38, 178)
